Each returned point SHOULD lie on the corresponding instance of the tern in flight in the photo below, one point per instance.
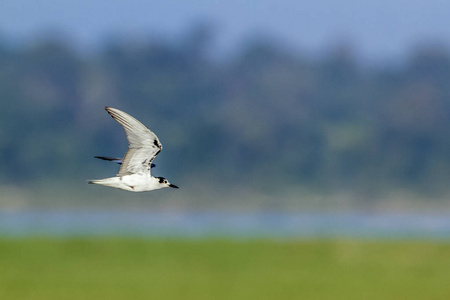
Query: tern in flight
(143, 146)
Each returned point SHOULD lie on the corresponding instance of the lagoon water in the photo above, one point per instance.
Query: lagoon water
(224, 224)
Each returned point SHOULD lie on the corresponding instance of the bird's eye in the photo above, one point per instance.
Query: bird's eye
(165, 181)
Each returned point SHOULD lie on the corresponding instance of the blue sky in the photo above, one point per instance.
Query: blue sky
(382, 29)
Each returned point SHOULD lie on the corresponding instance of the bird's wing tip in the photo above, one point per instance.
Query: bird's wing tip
(109, 110)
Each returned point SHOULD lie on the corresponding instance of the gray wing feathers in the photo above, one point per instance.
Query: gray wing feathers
(143, 144)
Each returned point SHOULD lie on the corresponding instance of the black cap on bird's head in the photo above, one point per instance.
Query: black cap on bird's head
(166, 182)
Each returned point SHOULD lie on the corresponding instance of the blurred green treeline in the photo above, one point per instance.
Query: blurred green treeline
(267, 116)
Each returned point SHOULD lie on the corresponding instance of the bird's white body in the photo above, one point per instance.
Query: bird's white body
(132, 183)
(143, 146)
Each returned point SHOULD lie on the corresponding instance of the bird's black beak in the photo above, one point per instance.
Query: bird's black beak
(173, 186)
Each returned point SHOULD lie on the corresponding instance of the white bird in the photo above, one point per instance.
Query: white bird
(143, 146)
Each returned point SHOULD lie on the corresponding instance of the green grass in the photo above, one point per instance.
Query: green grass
(116, 268)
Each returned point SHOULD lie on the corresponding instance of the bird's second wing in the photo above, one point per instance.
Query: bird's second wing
(143, 144)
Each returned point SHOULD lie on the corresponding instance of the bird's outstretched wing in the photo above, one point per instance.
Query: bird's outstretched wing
(117, 160)
(143, 144)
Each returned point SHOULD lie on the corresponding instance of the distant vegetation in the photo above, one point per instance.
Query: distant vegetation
(267, 117)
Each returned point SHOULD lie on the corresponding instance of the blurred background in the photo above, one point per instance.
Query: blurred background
(303, 136)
